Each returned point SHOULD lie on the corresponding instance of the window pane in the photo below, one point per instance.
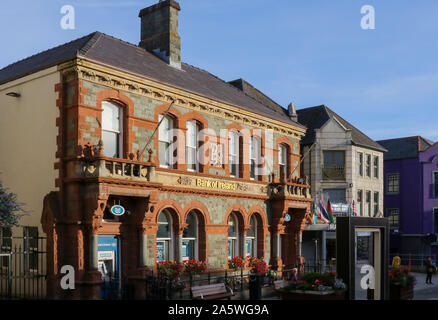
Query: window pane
(435, 220)
(110, 144)
(162, 250)
(163, 153)
(163, 231)
(232, 230)
(191, 158)
(252, 231)
(110, 116)
(435, 174)
(191, 134)
(190, 232)
(164, 129)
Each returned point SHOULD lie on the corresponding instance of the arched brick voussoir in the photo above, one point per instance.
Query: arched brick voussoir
(257, 210)
(198, 206)
(242, 217)
(175, 207)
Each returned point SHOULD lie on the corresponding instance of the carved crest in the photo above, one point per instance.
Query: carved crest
(216, 155)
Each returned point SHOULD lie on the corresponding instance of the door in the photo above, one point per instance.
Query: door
(108, 257)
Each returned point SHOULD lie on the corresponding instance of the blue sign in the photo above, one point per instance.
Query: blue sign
(161, 253)
(287, 217)
(117, 210)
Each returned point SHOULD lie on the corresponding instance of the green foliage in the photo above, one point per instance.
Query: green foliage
(9, 208)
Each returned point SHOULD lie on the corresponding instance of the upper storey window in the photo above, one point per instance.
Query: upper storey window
(165, 140)
(282, 161)
(334, 165)
(234, 151)
(112, 129)
(192, 146)
(255, 155)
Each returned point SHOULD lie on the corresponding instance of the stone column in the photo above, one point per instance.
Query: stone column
(300, 243)
(93, 262)
(143, 249)
(178, 246)
(276, 260)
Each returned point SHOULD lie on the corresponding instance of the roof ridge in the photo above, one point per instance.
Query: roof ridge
(401, 138)
(45, 51)
(269, 98)
(90, 43)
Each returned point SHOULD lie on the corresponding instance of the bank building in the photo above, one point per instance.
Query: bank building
(127, 156)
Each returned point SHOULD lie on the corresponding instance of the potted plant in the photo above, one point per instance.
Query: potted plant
(315, 286)
(236, 263)
(194, 267)
(258, 269)
(402, 283)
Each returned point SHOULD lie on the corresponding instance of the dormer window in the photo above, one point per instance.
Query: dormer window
(112, 129)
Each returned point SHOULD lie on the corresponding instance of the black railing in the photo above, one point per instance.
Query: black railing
(23, 268)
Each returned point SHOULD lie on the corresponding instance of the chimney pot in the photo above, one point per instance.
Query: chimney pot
(292, 112)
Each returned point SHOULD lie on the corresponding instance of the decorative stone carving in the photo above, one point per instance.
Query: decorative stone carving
(216, 155)
(185, 181)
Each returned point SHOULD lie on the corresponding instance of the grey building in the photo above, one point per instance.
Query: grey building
(343, 164)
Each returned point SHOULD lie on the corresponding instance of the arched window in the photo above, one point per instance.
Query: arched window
(190, 238)
(112, 128)
(164, 237)
(165, 154)
(282, 161)
(192, 146)
(234, 152)
(255, 157)
(233, 236)
(251, 238)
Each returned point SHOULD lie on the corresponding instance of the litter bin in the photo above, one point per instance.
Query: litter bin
(255, 287)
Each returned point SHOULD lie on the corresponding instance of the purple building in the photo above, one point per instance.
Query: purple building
(411, 195)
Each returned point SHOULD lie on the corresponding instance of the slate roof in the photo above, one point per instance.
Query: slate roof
(405, 148)
(118, 54)
(256, 94)
(315, 117)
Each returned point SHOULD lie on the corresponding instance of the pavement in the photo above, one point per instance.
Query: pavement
(423, 291)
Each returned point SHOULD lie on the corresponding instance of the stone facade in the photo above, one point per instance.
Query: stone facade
(333, 136)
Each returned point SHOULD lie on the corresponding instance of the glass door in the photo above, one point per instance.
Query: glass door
(367, 263)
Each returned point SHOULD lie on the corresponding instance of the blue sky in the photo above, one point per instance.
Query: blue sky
(383, 81)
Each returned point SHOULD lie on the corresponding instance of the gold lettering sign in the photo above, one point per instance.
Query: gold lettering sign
(215, 184)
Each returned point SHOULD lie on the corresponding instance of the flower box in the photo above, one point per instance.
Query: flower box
(397, 292)
(312, 295)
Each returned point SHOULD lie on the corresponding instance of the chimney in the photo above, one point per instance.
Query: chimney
(292, 112)
(159, 31)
